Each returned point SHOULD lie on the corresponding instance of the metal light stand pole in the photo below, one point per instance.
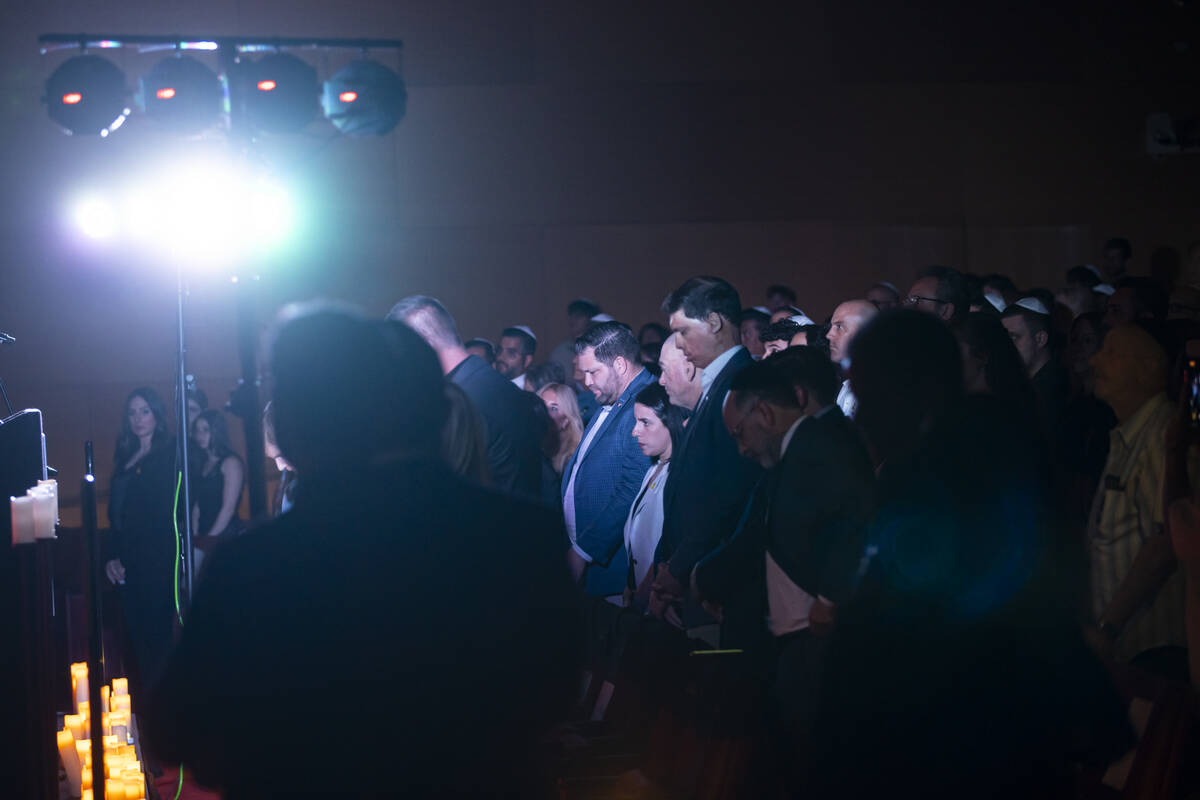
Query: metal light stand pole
(95, 661)
(187, 547)
(247, 403)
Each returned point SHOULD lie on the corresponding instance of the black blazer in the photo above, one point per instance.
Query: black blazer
(708, 484)
(398, 610)
(810, 513)
(513, 438)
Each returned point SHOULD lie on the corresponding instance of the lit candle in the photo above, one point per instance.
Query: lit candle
(110, 743)
(120, 728)
(134, 788)
(23, 527)
(70, 761)
(86, 781)
(114, 790)
(85, 712)
(120, 686)
(43, 512)
(104, 699)
(79, 676)
(122, 702)
(87, 794)
(73, 723)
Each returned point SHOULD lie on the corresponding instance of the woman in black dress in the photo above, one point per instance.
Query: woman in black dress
(141, 504)
(217, 477)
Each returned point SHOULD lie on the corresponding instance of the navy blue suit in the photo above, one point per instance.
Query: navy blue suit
(513, 433)
(609, 477)
(709, 482)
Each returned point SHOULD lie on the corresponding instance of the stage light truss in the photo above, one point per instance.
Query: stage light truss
(258, 88)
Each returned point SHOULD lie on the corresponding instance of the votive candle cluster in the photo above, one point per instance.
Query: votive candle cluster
(124, 778)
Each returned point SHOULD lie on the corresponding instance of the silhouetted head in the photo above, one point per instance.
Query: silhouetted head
(906, 371)
(348, 391)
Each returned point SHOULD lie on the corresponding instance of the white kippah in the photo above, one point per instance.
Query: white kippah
(1104, 288)
(602, 318)
(1032, 304)
(996, 300)
(525, 329)
(763, 309)
(801, 319)
(488, 342)
(1092, 269)
(888, 285)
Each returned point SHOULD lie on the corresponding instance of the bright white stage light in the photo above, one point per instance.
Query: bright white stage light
(95, 217)
(206, 214)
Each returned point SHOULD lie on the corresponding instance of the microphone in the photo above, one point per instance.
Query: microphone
(4, 337)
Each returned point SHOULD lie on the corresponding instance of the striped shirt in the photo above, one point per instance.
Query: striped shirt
(1126, 512)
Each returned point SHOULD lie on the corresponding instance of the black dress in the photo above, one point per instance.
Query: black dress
(143, 538)
(208, 493)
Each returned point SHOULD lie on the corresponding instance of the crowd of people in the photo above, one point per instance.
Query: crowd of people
(926, 524)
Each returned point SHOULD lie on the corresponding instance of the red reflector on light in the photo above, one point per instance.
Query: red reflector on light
(348, 97)
(165, 94)
(266, 86)
(72, 98)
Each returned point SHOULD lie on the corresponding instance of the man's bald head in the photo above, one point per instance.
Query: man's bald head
(1130, 368)
(847, 319)
(679, 376)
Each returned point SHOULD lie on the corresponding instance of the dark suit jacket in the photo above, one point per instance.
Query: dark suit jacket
(513, 437)
(810, 514)
(709, 482)
(376, 623)
(606, 485)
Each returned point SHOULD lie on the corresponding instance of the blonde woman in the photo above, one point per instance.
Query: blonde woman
(567, 423)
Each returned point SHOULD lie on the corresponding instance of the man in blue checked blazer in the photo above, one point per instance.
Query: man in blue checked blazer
(602, 478)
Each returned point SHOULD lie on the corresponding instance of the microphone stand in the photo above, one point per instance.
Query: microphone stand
(6, 339)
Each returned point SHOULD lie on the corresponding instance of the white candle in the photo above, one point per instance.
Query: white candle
(52, 486)
(79, 677)
(23, 528)
(43, 513)
(70, 761)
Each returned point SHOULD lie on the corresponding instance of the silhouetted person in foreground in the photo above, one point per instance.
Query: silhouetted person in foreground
(399, 632)
(956, 667)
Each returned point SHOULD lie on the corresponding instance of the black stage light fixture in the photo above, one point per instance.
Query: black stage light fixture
(86, 95)
(282, 93)
(364, 98)
(181, 94)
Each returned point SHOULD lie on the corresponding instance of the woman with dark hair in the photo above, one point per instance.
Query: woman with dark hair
(140, 512)
(464, 440)
(658, 427)
(216, 483)
(652, 333)
(992, 365)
